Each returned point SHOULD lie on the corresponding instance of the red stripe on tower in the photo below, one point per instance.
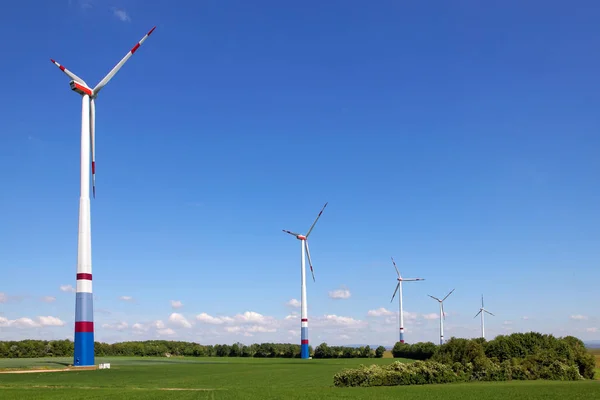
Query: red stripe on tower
(81, 326)
(87, 277)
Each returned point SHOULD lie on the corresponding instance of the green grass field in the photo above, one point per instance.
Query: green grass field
(241, 378)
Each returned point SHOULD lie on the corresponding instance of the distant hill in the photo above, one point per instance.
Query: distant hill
(592, 344)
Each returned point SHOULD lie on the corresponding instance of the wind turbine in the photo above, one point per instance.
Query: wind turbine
(399, 286)
(84, 306)
(482, 310)
(304, 313)
(442, 314)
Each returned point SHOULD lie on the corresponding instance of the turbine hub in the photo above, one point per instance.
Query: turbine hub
(301, 237)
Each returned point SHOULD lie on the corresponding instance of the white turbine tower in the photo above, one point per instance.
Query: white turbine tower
(84, 308)
(442, 314)
(304, 313)
(482, 311)
(399, 287)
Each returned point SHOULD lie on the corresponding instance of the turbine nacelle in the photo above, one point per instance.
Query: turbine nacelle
(301, 237)
(81, 88)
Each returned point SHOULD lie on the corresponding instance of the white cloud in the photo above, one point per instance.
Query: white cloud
(176, 304)
(179, 320)
(158, 324)
(166, 332)
(293, 303)
(579, 317)
(126, 298)
(251, 316)
(338, 320)
(431, 316)
(67, 288)
(209, 319)
(139, 328)
(120, 326)
(291, 316)
(121, 14)
(340, 294)
(259, 328)
(591, 330)
(507, 323)
(25, 322)
(525, 318)
(344, 337)
(380, 312)
(47, 299)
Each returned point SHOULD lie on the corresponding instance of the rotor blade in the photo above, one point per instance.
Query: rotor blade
(318, 216)
(412, 279)
(477, 314)
(117, 67)
(69, 73)
(394, 295)
(443, 313)
(309, 260)
(398, 272)
(481, 301)
(93, 142)
(433, 297)
(489, 312)
(448, 294)
(291, 233)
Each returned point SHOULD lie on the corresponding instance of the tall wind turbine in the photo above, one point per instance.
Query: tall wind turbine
(482, 310)
(399, 286)
(442, 314)
(304, 316)
(84, 306)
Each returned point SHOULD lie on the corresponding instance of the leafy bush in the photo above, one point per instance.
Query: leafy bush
(520, 356)
(397, 373)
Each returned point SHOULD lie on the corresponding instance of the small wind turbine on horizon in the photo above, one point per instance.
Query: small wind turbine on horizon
(304, 313)
(84, 307)
(442, 314)
(399, 287)
(482, 310)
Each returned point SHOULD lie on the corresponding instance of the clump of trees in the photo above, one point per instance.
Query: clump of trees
(417, 351)
(520, 356)
(325, 351)
(160, 348)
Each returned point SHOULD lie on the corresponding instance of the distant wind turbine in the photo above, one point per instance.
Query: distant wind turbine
(399, 286)
(304, 313)
(482, 310)
(442, 314)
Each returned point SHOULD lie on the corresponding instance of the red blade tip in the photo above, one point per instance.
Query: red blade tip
(53, 62)
(151, 30)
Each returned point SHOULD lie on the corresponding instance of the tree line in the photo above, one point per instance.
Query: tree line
(162, 348)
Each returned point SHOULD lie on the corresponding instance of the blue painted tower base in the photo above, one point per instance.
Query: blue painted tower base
(84, 349)
(304, 351)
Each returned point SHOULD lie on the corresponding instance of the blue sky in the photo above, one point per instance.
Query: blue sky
(460, 139)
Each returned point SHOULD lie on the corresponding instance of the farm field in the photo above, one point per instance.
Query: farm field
(248, 378)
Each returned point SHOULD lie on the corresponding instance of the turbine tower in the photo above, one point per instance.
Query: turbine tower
(482, 310)
(399, 286)
(442, 314)
(84, 303)
(304, 251)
